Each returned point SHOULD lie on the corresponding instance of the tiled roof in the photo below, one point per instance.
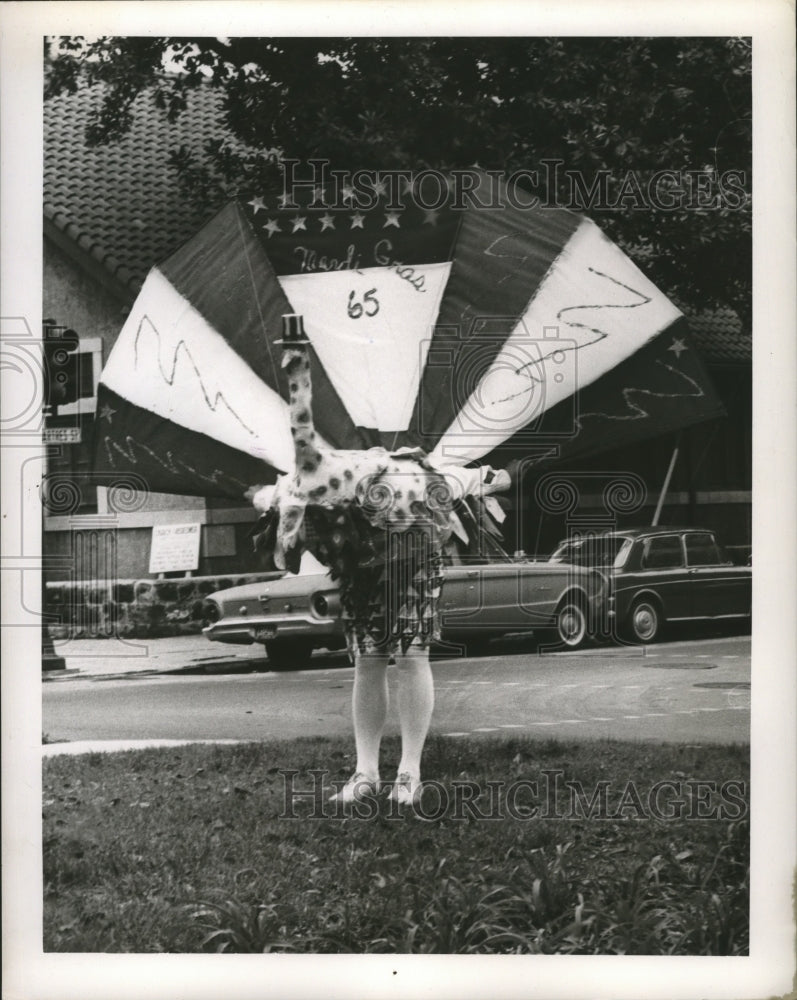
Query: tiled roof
(720, 337)
(121, 202)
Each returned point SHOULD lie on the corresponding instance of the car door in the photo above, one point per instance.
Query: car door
(461, 597)
(541, 587)
(482, 595)
(718, 588)
(662, 570)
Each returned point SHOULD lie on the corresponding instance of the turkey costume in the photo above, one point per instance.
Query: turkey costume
(379, 520)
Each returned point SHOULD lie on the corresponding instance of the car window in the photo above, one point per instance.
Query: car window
(702, 550)
(663, 553)
(480, 550)
(595, 550)
(451, 554)
(491, 549)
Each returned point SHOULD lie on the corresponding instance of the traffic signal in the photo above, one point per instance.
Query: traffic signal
(61, 365)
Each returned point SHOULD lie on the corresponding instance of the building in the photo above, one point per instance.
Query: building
(110, 213)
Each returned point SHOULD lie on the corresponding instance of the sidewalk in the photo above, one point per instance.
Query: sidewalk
(86, 658)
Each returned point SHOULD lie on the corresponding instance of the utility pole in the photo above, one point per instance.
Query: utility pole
(667, 479)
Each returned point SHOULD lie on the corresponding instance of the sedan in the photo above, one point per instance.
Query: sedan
(660, 575)
(485, 594)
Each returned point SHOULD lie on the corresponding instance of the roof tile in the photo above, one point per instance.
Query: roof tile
(720, 337)
(107, 198)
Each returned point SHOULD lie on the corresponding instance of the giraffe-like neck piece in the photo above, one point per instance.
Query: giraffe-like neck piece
(296, 363)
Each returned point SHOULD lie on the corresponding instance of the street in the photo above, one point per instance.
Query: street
(694, 690)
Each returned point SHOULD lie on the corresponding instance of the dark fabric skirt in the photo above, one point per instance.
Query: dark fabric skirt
(389, 580)
(393, 607)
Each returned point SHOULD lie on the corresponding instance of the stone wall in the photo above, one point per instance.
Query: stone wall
(134, 608)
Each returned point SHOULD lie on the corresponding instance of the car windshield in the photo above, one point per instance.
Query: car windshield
(484, 549)
(600, 550)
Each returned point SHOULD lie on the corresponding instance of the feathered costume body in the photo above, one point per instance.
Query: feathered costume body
(378, 519)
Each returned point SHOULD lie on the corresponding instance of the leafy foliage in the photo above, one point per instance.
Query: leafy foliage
(628, 107)
(191, 850)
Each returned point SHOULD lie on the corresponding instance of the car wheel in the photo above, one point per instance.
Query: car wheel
(571, 624)
(644, 621)
(289, 654)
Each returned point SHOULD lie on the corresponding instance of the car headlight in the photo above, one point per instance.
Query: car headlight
(211, 612)
(326, 605)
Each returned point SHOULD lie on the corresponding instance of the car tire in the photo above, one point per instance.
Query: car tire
(571, 624)
(645, 621)
(289, 654)
(477, 646)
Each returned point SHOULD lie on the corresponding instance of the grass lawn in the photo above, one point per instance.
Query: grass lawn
(201, 849)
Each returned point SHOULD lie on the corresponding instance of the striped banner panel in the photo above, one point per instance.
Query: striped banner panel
(484, 330)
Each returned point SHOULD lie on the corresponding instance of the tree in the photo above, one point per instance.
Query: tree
(651, 136)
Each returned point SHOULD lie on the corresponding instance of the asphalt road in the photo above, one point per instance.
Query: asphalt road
(694, 690)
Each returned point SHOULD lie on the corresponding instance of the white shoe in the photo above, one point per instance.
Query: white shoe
(406, 789)
(358, 787)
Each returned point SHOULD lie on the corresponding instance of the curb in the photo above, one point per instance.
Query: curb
(212, 667)
(78, 747)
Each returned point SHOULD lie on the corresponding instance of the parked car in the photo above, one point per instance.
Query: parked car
(660, 575)
(484, 594)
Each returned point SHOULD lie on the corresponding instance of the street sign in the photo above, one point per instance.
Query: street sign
(175, 548)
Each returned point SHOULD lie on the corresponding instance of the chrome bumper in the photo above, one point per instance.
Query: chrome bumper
(244, 631)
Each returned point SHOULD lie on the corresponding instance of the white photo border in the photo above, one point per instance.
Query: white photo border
(769, 970)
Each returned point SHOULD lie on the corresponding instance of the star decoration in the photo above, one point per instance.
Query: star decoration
(327, 222)
(380, 188)
(430, 218)
(392, 219)
(299, 223)
(678, 347)
(271, 227)
(347, 193)
(107, 412)
(283, 199)
(357, 220)
(257, 204)
(318, 195)
(407, 184)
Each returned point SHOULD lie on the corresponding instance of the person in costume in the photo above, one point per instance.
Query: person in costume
(380, 521)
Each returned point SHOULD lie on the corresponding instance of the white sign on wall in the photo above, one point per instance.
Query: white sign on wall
(62, 435)
(175, 548)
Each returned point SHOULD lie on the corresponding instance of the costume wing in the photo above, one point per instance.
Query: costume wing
(469, 331)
